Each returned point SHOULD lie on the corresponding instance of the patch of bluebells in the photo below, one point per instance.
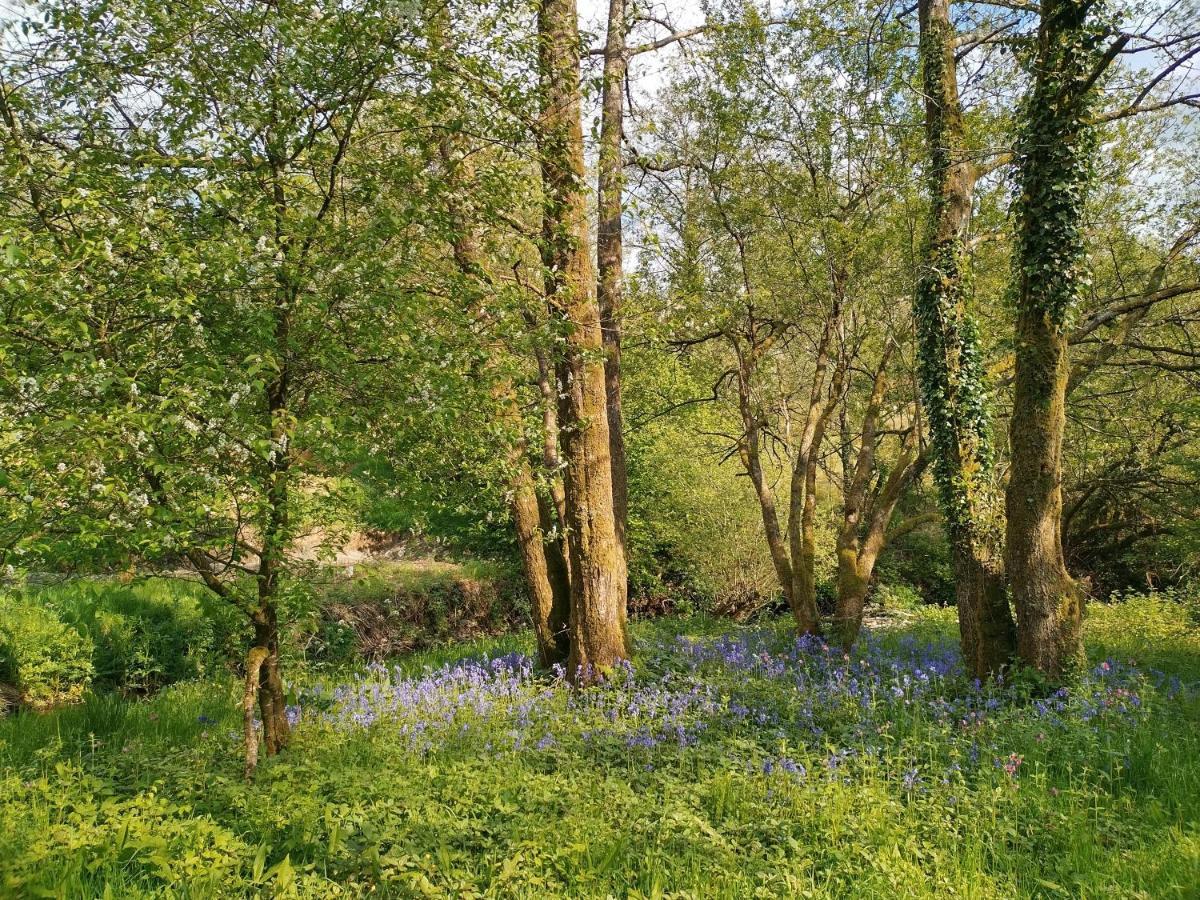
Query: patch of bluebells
(840, 711)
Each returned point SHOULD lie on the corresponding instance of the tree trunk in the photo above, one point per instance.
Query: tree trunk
(1055, 158)
(802, 510)
(858, 553)
(1049, 603)
(272, 701)
(608, 250)
(986, 631)
(558, 569)
(597, 563)
(855, 563)
(865, 515)
(951, 372)
(852, 585)
(751, 455)
(254, 663)
(551, 607)
(804, 553)
(275, 530)
(548, 387)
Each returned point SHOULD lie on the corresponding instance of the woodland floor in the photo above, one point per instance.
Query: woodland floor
(729, 761)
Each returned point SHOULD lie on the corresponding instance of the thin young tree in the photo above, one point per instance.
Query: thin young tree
(199, 181)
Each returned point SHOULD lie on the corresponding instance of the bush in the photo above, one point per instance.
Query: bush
(149, 634)
(695, 528)
(1157, 628)
(920, 559)
(45, 660)
(898, 596)
(393, 608)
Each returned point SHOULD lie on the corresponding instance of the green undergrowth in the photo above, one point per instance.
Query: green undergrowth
(786, 780)
(59, 639)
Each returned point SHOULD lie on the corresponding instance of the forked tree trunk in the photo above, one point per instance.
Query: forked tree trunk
(1054, 163)
(598, 573)
(609, 235)
(802, 512)
(951, 370)
(858, 552)
(866, 516)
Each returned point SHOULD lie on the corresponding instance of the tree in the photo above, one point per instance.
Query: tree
(788, 238)
(867, 508)
(609, 241)
(951, 366)
(202, 269)
(545, 570)
(1055, 159)
(598, 571)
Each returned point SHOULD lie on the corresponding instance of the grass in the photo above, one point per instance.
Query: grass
(733, 762)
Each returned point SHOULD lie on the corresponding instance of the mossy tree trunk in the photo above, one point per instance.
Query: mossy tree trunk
(272, 700)
(597, 563)
(1055, 157)
(866, 514)
(951, 371)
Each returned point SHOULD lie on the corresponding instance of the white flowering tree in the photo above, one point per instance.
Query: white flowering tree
(203, 283)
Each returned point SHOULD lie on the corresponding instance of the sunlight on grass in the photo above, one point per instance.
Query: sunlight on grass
(732, 760)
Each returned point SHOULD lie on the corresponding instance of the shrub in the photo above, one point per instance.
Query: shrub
(393, 608)
(47, 661)
(695, 527)
(1162, 629)
(920, 559)
(898, 596)
(149, 634)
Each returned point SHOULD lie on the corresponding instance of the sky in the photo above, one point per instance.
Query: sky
(647, 71)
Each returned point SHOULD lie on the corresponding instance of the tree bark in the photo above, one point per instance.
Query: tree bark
(951, 371)
(551, 607)
(1049, 603)
(276, 732)
(858, 553)
(550, 603)
(1054, 162)
(865, 518)
(548, 387)
(272, 702)
(802, 512)
(598, 573)
(751, 454)
(254, 663)
(558, 569)
(609, 235)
